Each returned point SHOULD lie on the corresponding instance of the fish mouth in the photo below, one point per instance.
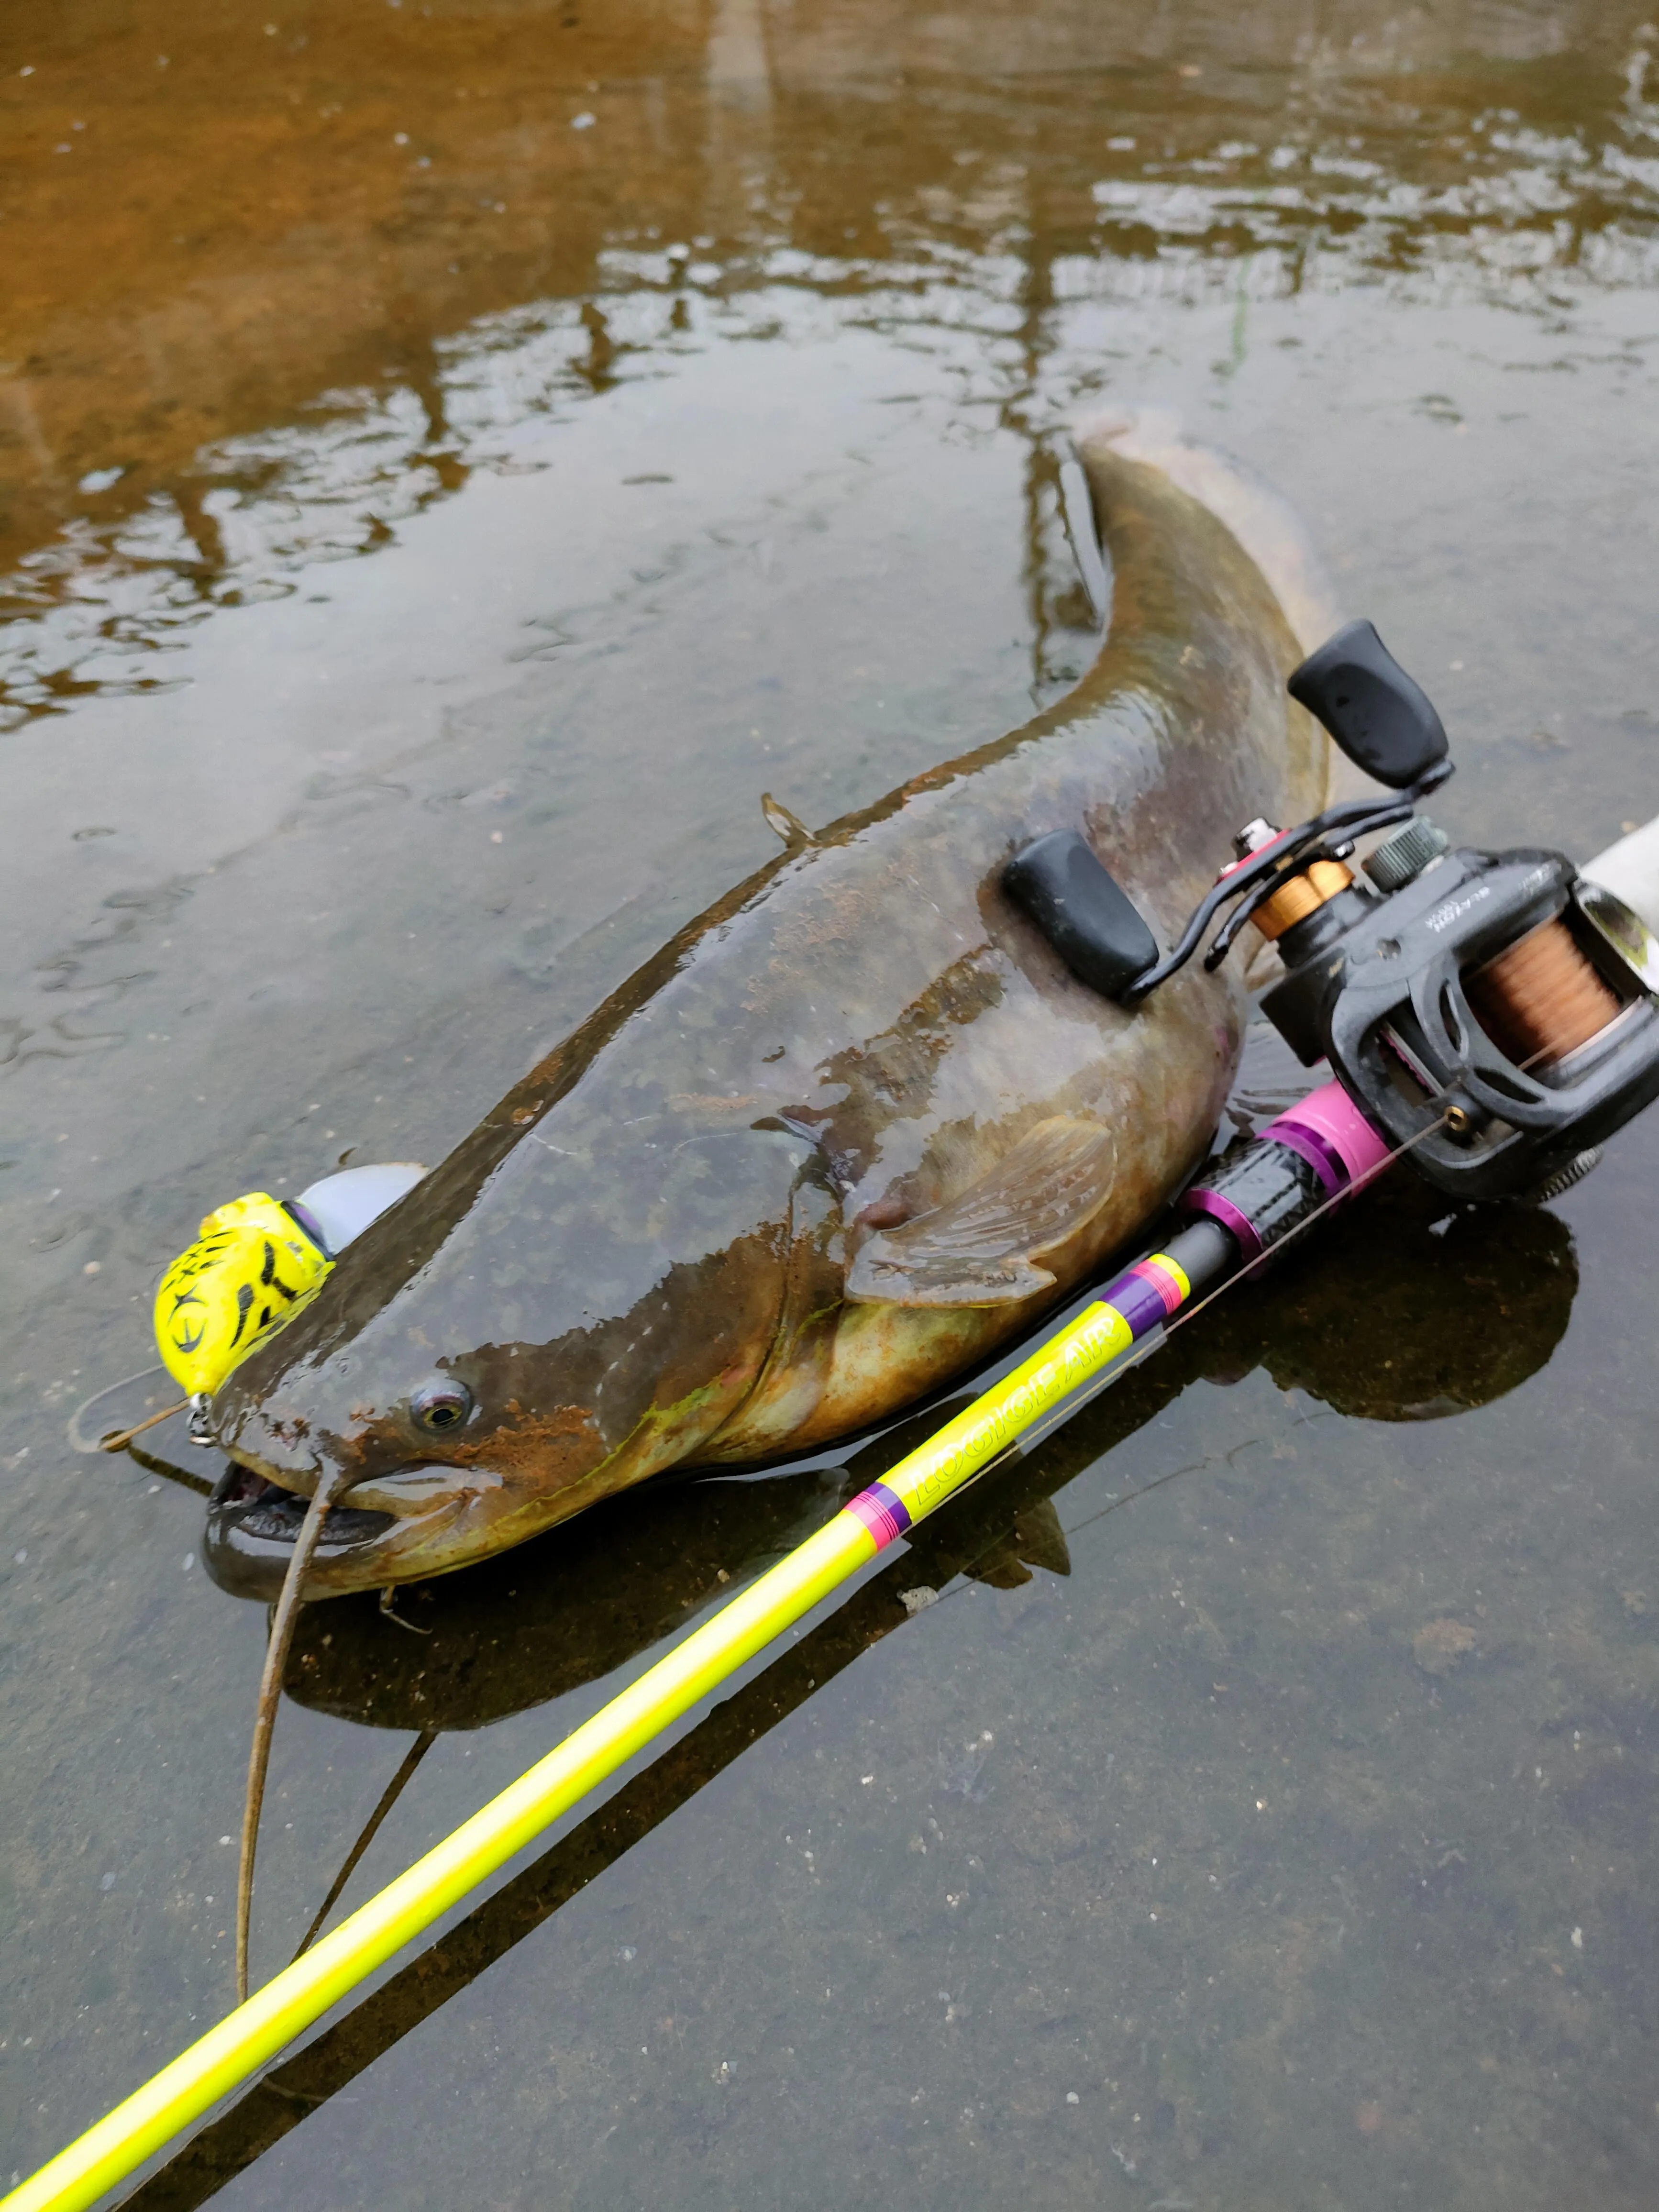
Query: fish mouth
(254, 1524)
(400, 1526)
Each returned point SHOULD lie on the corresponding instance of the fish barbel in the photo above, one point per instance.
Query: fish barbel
(847, 1132)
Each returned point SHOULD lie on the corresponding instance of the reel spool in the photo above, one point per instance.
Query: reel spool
(1541, 999)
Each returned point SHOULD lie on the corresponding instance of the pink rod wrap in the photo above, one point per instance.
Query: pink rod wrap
(1330, 1113)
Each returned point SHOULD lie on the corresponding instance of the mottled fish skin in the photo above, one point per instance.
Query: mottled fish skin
(849, 1131)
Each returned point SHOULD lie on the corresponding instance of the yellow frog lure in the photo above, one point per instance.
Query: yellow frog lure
(256, 1262)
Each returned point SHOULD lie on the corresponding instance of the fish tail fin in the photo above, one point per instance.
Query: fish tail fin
(1260, 519)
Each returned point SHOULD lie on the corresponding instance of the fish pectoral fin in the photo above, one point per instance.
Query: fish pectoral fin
(984, 1248)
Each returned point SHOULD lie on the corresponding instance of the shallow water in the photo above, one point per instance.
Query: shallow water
(429, 519)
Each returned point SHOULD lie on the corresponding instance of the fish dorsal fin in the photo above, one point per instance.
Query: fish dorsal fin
(778, 819)
(983, 1248)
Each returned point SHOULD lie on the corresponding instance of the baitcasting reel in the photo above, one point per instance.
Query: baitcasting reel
(1495, 1012)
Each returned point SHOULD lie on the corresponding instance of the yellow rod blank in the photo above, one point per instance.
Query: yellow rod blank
(274, 2015)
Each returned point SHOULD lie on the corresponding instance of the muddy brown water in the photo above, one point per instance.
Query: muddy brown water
(452, 460)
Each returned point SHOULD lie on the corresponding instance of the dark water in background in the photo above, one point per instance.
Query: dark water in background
(503, 501)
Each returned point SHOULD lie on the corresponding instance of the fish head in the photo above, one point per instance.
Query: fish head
(515, 1338)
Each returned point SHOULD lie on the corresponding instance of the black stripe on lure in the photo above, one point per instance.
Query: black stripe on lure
(1494, 1012)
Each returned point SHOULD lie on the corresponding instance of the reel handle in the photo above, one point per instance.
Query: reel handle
(1083, 911)
(1382, 719)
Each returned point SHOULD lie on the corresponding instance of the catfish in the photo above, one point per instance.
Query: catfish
(849, 1132)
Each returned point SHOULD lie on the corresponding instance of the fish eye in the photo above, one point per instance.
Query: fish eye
(440, 1406)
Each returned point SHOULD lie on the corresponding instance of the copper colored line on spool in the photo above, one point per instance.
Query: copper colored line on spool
(1542, 999)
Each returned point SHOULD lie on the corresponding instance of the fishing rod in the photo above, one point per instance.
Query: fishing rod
(281, 2097)
(1491, 1016)
(1056, 1381)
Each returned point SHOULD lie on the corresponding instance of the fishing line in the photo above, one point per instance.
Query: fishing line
(1021, 1446)
(1192, 1467)
(1338, 1198)
(118, 1439)
(79, 1440)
